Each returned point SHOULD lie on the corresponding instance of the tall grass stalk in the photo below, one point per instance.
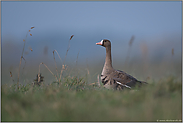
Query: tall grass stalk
(129, 50)
(63, 66)
(11, 77)
(98, 80)
(24, 40)
(55, 62)
(48, 70)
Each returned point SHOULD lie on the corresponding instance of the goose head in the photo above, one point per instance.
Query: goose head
(104, 43)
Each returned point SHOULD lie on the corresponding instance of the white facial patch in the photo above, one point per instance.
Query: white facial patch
(101, 41)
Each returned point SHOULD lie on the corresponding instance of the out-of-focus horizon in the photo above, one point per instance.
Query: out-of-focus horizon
(154, 26)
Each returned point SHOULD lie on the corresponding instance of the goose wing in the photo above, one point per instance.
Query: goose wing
(124, 79)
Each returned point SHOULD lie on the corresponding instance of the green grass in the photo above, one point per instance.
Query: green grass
(74, 100)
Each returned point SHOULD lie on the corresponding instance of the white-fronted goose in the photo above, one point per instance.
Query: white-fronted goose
(112, 78)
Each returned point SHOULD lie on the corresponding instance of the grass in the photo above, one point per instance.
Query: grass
(74, 100)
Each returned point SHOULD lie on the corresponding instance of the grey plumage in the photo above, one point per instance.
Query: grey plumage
(112, 78)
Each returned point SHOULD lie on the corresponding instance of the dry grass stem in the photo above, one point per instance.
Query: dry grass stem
(98, 80)
(129, 50)
(92, 83)
(61, 72)
(11, 76)
(39, 67)
(24, 40)
(131, 40)
(48, 70)
(63, 68)
(55, 63)
(58, 55)
(25, 62)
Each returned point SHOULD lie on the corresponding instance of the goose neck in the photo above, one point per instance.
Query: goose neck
(108, 59)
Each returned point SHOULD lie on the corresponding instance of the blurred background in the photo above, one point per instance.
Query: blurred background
(145, 36)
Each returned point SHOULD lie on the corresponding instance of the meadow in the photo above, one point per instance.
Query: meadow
(74, 100)
(76, 94)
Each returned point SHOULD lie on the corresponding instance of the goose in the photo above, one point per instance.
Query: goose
(112, 78)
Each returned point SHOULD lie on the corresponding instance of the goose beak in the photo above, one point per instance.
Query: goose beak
(99, 43)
